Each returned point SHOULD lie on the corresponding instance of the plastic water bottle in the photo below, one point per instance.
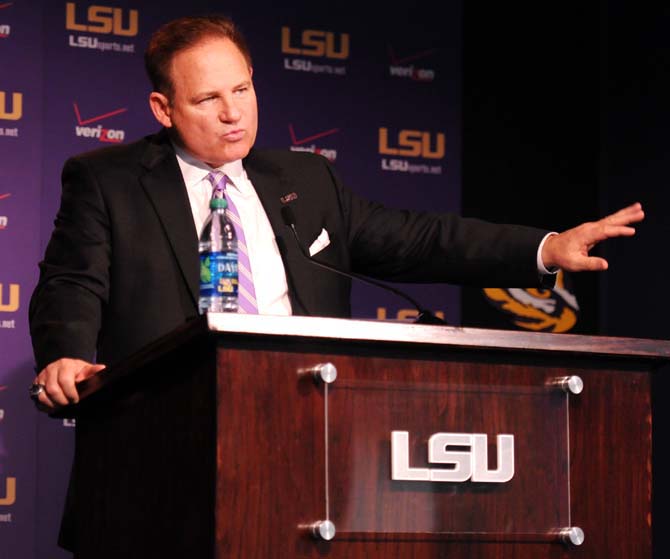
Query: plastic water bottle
(218, 261)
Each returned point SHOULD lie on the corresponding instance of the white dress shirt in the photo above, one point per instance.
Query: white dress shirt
(267, 266)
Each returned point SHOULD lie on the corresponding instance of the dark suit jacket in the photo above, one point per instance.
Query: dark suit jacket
(121, 268)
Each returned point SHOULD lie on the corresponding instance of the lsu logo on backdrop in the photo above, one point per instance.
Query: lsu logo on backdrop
(98, 132)
(101, 20)
(11, 109)
(404, 67)
(307, 143)
(7, 484)
(11, 105)
(546, 310)
(4, 220)
(415, 144)
(5, 28)
(9, 298)
(9, 487)
(314, 43)
(9, 303)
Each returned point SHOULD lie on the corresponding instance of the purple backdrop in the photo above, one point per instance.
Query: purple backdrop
(379, 95)
(21, 121)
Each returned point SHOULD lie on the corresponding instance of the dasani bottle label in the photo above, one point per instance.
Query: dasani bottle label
(218, 274)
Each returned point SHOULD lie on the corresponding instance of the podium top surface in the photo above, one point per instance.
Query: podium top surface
(296, 329)
(420, 334)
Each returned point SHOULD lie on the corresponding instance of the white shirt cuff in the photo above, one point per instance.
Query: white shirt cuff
(540, 265)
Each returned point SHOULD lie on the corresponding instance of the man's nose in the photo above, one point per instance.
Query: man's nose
(229, 112)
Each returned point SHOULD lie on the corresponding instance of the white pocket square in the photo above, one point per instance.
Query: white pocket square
(321, 242)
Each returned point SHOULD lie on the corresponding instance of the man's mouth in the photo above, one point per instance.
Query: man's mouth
(234, 135)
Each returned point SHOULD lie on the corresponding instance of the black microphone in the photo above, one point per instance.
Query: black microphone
(424, 317)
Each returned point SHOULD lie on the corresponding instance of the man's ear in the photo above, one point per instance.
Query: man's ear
(160, 106)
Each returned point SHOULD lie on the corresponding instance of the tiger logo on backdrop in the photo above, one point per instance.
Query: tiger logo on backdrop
(541, 310)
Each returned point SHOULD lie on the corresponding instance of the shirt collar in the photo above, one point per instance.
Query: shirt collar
(194, 170)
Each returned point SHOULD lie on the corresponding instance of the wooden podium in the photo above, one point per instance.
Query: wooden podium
(267, 437)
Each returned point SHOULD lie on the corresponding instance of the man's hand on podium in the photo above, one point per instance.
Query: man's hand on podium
(54, 386)
(570, 250)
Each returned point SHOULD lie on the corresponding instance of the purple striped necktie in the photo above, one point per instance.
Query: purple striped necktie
(246, 299)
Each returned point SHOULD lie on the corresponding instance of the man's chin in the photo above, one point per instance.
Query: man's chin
(226, 156)
(226, 152)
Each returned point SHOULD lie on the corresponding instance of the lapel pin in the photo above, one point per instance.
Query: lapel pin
(288, 197)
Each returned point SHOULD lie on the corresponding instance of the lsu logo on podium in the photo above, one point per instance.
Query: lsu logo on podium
(9, 492)
(12, 303)
(11, 110)
(316, 43)
(412, 143)
(465, 453)
(102, 19)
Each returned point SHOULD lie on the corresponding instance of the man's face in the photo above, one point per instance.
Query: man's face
(213, 110)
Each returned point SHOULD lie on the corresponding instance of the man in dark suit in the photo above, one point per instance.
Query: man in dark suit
(121, 268)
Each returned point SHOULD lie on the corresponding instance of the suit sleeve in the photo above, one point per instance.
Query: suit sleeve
(410, 246)
(66, 306)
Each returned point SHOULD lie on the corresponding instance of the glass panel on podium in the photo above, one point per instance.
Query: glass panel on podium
(447, 458)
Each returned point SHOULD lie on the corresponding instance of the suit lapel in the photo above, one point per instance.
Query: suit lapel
(271, 185)
(164, 185)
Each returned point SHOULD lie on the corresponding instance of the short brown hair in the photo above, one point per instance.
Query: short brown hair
(181, 34)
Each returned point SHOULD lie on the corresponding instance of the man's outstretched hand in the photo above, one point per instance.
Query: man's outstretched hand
(570, 250)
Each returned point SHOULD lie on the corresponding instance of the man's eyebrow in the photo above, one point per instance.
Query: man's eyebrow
(202, 94)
